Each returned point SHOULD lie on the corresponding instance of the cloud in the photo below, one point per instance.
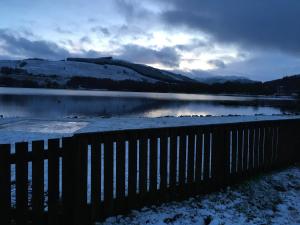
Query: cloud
(19, 46)
(263, 66)
(85, 39)
(217, 63)
(257, 23)
(101, 29)
(63, 31)
(133, 10)
(165, 56)
(195, 44)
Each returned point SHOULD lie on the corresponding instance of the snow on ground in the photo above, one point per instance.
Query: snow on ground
(18, 130)
(28, 129)
(269, 199)
(122, 123)
(70, 68)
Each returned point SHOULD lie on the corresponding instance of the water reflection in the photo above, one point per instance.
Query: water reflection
(61, 104)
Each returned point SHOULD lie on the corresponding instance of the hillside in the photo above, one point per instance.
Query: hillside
(110, 74)
(147, 71)
(286, 85)
(68, 69)
(224, 79)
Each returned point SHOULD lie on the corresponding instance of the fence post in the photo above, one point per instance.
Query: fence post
(5, 184)
(108, 175)
(220, 156)
(38, 182)
(53, 181)
(75, 181)
(81, 213)
(21, 183)
(68, 173)
(132, 171)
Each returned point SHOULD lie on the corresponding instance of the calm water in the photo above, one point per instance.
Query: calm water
(43, 103)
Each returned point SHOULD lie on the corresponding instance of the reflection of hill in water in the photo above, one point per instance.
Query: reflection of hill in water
(63, 106)
(73, 105)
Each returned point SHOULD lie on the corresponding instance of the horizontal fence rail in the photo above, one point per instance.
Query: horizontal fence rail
(90, 176)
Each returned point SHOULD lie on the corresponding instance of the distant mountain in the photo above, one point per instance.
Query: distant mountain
(86, 73)
(111, 74)
(224, 79)
(112, 69)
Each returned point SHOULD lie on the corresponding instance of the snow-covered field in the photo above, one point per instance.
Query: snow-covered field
(269, 199)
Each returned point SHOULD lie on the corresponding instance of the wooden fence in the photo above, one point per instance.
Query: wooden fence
(90, 176)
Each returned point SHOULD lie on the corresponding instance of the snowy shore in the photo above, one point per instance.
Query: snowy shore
(269, 199)
(28, 129)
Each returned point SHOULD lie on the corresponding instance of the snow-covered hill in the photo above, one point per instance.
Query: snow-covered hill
(69, 69)
(148, 71)
(109, 68)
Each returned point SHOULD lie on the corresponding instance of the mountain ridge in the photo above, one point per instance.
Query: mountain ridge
(113, 74)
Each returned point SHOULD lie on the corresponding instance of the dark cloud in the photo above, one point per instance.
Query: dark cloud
(263, 66)
(101, 29)
(85, 39)
(195, 44)
(217, 63)
(133, 10)
(63, 31)
(165, 56)
(19, 46)
(92, 20)
(257, 23)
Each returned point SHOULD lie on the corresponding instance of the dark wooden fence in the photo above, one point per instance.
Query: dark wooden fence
(88, 177)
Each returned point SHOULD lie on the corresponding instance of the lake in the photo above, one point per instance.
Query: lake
(46, 103)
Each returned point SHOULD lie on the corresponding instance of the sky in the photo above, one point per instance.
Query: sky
(258, 39)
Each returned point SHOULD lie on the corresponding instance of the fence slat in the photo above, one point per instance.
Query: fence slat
(120, 174)
(191, 158)
(5, 193)
(261, 148)
(68, 181)
(108, 175)
(256, 149)
(219, 160)
(234, 151)
(95, 179)
(81, 210)
(38, 182)
(163, 162)
(276, 141)
(246, 149)
(273, 144)
(143, 165)
(21, 184)
(153, 164)
(173, 161)
(206, 160)
(240, 150)
(199, 151)
(53, 181)
(132, 172)
(182, 159)
(268, 147)
(251, 147)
